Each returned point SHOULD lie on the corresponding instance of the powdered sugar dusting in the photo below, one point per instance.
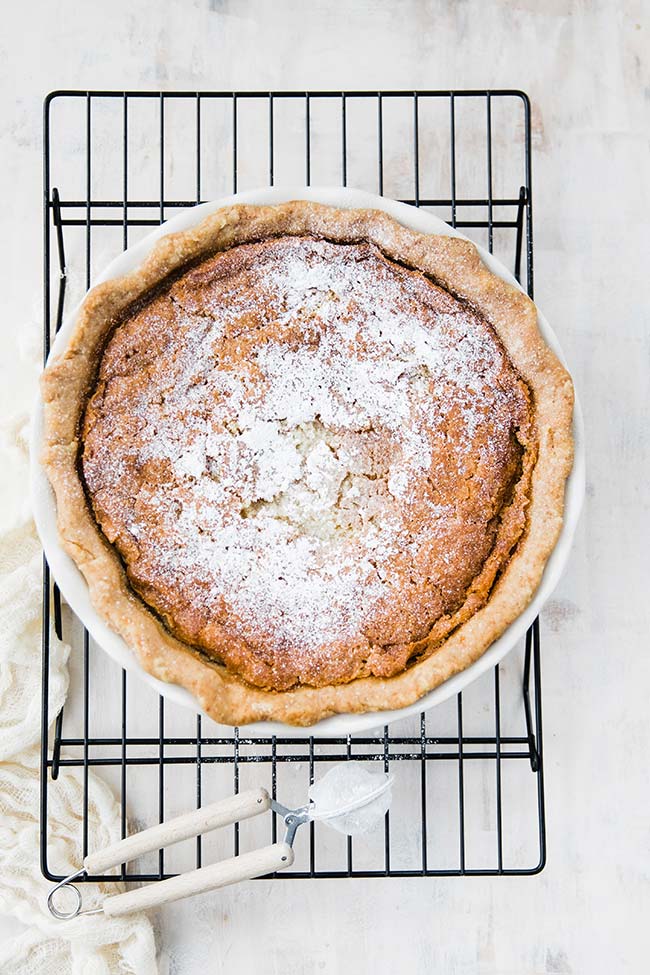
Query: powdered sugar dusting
(299, 440)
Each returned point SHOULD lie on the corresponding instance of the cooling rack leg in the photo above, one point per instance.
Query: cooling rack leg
(56, 747)
(520, 232)
(532, 743)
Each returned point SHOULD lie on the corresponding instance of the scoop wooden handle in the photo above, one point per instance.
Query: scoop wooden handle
(243, 867)
(230, 810)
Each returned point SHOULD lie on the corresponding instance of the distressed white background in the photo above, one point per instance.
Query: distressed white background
(585, 66)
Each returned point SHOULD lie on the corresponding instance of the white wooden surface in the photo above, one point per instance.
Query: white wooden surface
(585, 65)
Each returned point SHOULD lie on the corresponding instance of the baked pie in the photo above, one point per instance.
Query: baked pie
(308, 460)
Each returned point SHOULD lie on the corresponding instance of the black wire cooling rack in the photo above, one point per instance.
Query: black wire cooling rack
(469, 793)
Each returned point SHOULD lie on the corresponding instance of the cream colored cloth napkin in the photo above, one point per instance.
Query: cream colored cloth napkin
(92, 945)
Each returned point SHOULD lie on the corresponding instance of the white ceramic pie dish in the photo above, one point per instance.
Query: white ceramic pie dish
(73, 585)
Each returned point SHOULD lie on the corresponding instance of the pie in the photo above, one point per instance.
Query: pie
(307, 460)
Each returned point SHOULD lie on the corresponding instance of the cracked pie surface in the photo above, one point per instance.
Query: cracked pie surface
(308, 460)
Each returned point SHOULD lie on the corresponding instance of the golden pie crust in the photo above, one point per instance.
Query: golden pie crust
(429, 471)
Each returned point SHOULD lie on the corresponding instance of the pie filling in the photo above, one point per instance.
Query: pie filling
(313, 462)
